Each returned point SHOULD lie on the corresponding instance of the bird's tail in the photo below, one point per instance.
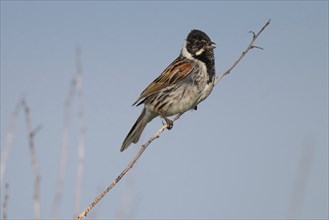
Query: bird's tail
(137, 129)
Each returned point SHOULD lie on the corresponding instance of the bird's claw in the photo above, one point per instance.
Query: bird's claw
(169, 123)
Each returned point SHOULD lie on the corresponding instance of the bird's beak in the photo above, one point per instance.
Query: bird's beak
(211, 46)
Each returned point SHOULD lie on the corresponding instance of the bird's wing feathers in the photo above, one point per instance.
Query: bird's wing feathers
(175, 72)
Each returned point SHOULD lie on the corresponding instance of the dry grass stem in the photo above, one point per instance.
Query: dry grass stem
(35, 163)
(64, 150)
(9, 141)
(301, 179)
(82, 131)
(5, 203)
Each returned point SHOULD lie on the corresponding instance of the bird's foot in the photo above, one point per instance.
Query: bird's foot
(169, 122)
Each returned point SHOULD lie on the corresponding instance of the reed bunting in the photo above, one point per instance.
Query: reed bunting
(185, 83)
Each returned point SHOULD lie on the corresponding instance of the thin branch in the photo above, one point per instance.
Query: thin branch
(250, 46)
(64, 150)
(157, 134)
(130, 165)
(82, 131)
(9, 141)
(35, 163)
(5, 203)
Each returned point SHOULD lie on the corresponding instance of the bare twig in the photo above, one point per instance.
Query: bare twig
(9, 140)
(130, 165)
(5, 203)
(64, 150)
(250, 46)
(156, 135)
(82, 131)
(35, 163)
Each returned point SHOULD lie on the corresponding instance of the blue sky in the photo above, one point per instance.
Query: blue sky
(237, 156)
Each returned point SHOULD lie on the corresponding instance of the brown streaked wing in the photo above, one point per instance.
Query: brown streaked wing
(175, 72)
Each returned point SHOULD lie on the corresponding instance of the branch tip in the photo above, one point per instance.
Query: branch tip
(253, 34)
(250, 46)
(256, 47)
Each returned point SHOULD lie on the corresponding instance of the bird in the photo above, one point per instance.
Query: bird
(186, 82)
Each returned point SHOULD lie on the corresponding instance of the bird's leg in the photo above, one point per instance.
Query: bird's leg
(169, 122)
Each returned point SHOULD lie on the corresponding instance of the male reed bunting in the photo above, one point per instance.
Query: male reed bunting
(185, 83)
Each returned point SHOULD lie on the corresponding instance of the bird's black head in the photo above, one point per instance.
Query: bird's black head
(199, 46)
(198, 43)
